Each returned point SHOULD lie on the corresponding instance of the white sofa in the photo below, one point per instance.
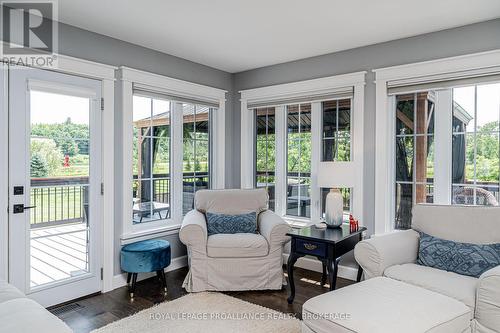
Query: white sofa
(400, 295)
(225, 262)
(20, 314)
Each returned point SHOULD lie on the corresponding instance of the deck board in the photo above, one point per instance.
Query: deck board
(57, 253)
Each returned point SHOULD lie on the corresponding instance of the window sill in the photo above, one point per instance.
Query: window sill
(136, 236)
(297, 223)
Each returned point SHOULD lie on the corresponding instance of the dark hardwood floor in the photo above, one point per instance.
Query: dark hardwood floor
(93, 312)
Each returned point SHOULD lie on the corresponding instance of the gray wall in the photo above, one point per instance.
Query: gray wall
(87, 45)
(468, 39)
(91, 46)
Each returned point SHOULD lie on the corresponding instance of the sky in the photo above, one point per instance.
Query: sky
(488, 102)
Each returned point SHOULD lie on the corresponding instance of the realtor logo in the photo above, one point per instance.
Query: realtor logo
(29, 32)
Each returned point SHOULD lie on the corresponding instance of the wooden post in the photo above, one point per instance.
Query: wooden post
(421, 127)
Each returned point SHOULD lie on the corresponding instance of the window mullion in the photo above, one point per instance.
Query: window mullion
(281, 166)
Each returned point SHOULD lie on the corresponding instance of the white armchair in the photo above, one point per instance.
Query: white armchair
(233, 261)
(394, 256)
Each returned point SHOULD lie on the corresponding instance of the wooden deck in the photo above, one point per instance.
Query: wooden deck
(58, 253)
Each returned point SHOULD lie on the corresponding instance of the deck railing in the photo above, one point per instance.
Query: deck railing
(58, 200)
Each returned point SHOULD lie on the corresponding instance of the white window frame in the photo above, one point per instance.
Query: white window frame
(105, 74)
(477, 64)
(350, 172)
(129, 77)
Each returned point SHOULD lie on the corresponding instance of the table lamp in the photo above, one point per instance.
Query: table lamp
(334, 203)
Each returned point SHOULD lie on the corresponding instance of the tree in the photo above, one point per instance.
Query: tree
(39, 168)
(52, 155)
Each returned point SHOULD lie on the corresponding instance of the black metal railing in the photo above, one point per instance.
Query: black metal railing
(58, 200)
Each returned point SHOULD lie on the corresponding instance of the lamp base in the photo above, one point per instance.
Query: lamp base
(334, 209)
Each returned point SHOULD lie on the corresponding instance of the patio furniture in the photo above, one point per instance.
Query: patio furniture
(241, 261)
(151, 208)
(152, 255)
(465, 196)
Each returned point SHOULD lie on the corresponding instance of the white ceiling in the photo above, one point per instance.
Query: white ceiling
(237, 35)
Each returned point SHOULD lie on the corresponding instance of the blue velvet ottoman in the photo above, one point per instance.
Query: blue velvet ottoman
(151, 255)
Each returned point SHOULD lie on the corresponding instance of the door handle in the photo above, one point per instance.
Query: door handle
(18, 209)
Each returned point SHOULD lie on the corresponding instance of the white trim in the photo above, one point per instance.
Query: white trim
(482, 63)
(443, 119)
(106, 74)
(247, 147)
(316, 142)
(281, 186)
(108, 179)
(120, 280)
(344, 272)
(4, 170)
(172, 86)
(81, 67)
(304, 89)
(128, 78)
(477, 63)
(150, 233)
(218, 169)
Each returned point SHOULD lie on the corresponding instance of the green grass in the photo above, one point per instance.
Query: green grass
(56, 203)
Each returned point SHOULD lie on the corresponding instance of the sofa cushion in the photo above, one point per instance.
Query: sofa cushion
(237, 246)
(458, 223)
(23, 315)
(385, 305)
(8, 292)
(461, 258)
(231, 201)
(231, 224)
(459, 287)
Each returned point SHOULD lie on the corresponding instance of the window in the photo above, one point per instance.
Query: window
(151, 184)
(265, 151)
(173, 145)
(470, 156)
(475, 145)
(414, 153)
(196, 151)
(336, 127)
(299, 160)
(454, 158)
(289, 130)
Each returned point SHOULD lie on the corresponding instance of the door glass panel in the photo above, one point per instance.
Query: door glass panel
(59, 172)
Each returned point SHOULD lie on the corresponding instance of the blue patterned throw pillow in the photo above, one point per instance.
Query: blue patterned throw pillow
(461, 258)
(231, 224)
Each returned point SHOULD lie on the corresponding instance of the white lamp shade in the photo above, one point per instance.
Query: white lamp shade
(336, 174)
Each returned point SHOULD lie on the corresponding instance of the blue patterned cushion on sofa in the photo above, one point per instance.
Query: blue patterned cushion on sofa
(231, 224)
(461, 258)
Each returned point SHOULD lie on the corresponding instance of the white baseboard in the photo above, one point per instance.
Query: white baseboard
(120, 280)
(345, 272)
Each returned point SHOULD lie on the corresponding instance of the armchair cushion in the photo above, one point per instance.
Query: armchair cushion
(243, 245)
(231, 224)
(459, 287)
(376, 254)
(231, 201)
(461, 258)
(488, 299)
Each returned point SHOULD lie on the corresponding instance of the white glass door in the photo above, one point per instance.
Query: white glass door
(54, 184)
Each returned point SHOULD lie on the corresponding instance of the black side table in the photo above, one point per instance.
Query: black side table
(328, 245)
